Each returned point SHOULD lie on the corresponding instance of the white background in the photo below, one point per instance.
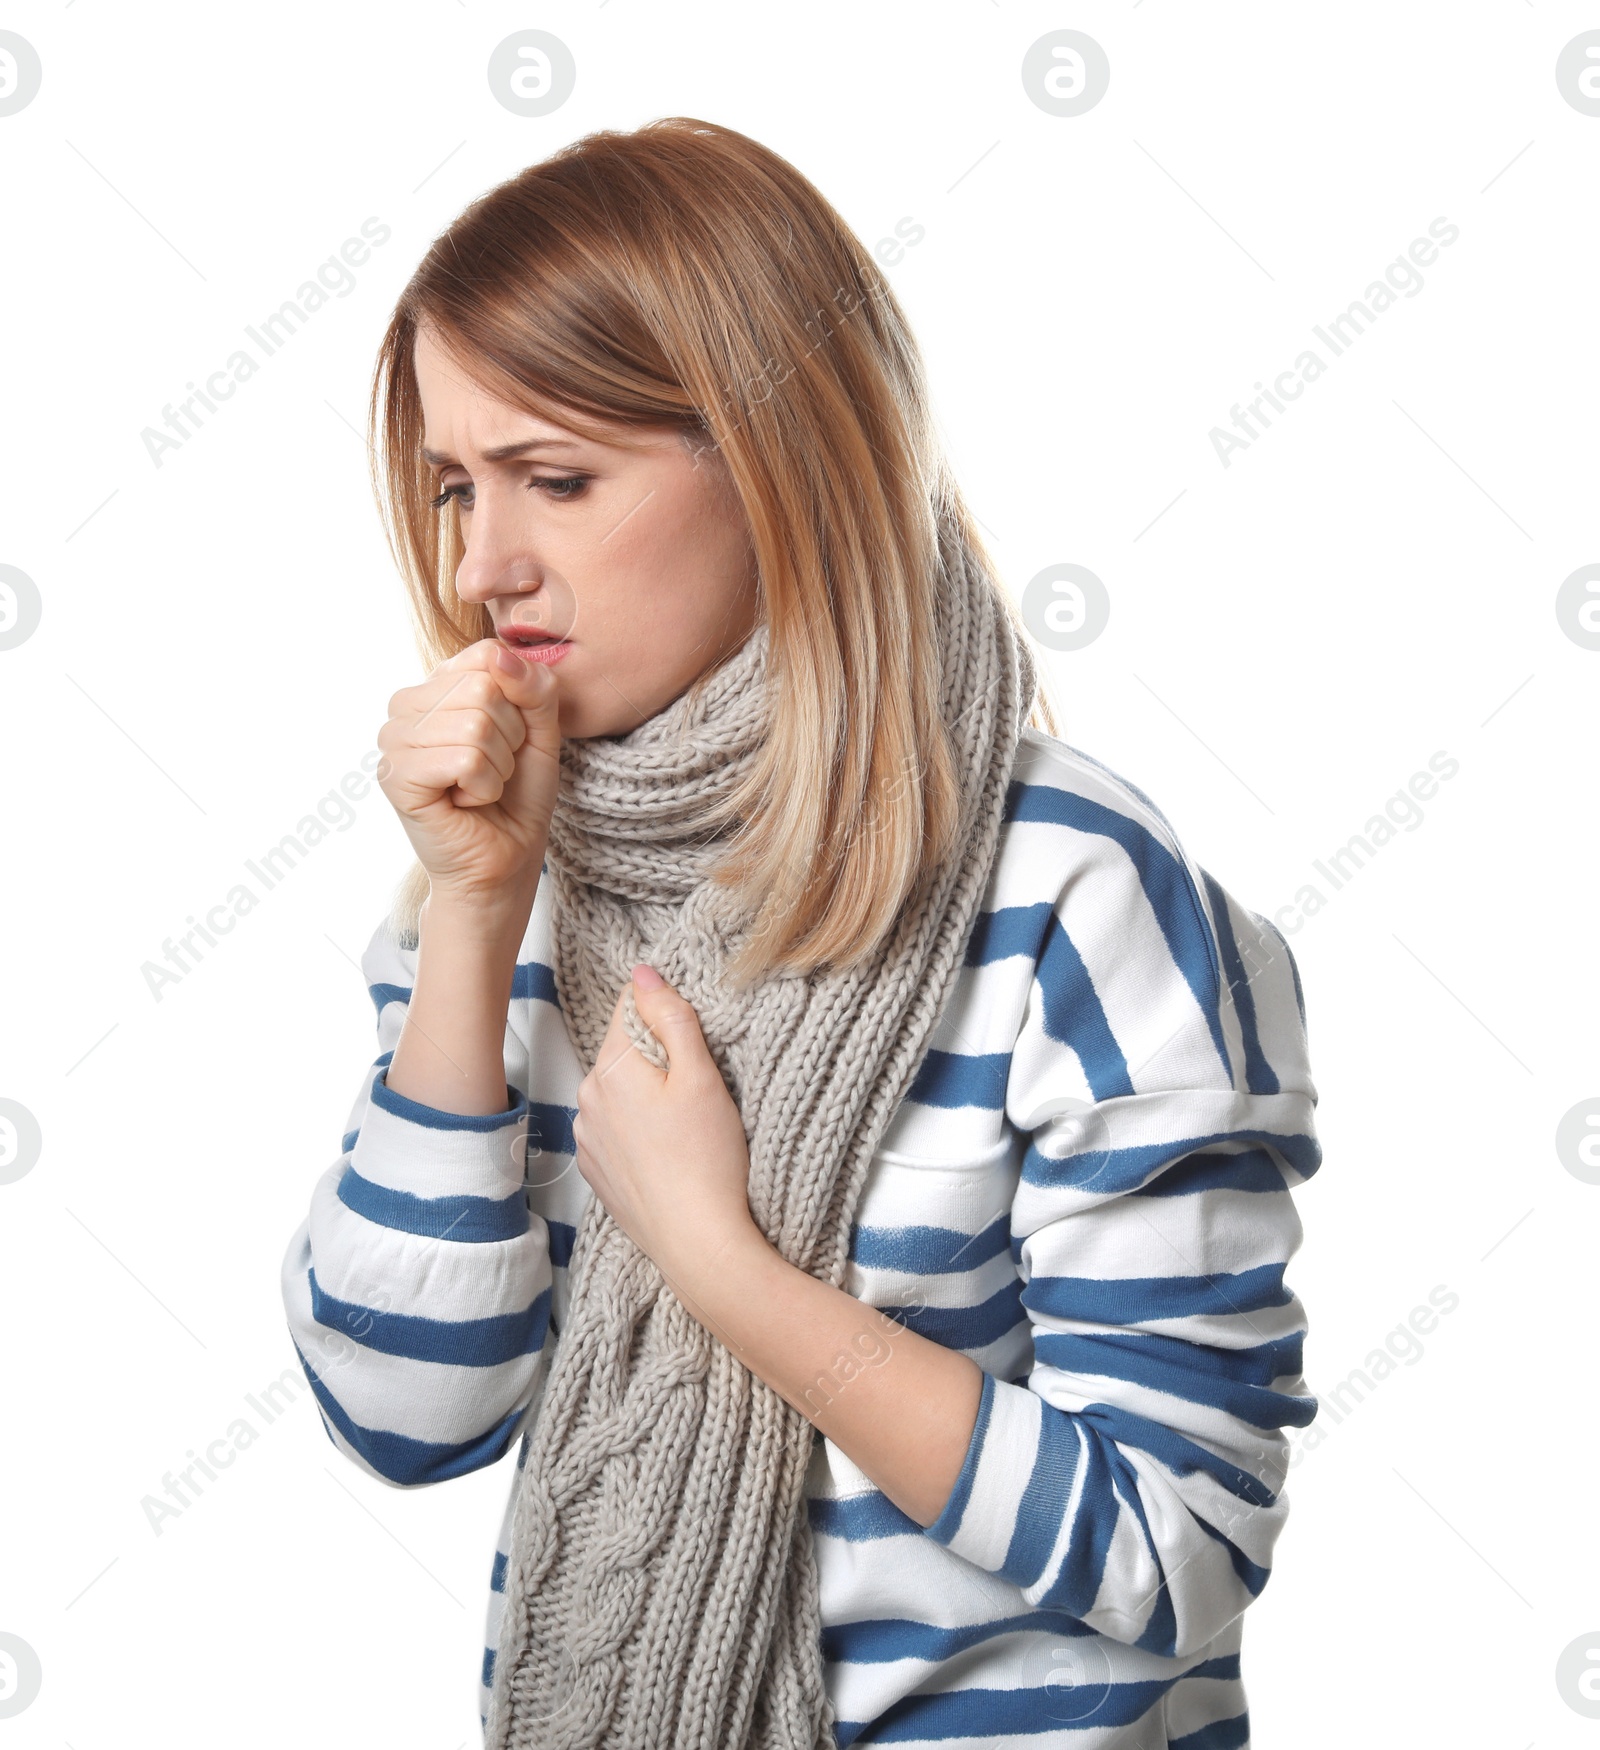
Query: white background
(1290, 638)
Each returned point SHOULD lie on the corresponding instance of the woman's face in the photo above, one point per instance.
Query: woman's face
(634, 554)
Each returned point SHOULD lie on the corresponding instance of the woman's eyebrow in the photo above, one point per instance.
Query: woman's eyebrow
(504, 453)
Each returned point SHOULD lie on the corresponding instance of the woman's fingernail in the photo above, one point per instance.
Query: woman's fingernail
(647, 978)
(507, 661)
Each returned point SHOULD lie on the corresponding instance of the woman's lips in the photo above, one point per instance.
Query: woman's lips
(550, 650)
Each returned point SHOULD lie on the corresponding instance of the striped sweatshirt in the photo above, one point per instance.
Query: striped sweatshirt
(1086, 1189)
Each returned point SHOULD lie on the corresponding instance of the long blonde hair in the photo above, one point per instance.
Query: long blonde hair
(683, 275)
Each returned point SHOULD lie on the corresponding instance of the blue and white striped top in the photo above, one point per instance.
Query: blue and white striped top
(1086, 1190)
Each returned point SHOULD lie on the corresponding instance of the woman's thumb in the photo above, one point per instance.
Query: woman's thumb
(669, 1014)
(534, 690)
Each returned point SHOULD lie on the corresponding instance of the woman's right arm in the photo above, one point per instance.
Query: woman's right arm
(418, 1289)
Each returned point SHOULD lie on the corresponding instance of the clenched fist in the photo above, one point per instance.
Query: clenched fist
(471, 763)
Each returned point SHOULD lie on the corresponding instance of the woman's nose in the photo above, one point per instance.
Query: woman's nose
(492, 567)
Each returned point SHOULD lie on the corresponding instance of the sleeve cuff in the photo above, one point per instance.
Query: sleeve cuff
(406, 1146)
(1018, 1470)
(946, 1525)
(414, 1112)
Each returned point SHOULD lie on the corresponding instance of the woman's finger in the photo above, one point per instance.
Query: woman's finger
(473, 689)
(423, 775)
(469, 727)
(674, 1021)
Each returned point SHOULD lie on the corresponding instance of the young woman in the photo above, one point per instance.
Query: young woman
(826, 1119)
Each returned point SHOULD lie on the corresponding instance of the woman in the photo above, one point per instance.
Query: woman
(908, 1356)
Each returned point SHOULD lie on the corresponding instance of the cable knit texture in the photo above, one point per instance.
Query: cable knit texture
(661, 1590)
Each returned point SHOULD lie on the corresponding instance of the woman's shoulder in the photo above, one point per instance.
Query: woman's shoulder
(1065, 806)
(1094, 847)
(1116, 896)
(1046, 758)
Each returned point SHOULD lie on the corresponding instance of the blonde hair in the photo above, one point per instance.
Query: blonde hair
(683, 275)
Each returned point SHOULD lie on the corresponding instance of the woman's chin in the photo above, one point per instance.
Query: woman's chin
(580, 720)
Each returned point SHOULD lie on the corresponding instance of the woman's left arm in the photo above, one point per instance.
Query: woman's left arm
(665, 1152)
(1162, 1076)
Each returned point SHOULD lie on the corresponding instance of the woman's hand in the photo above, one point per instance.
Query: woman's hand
(665, 1150)
(471, 764)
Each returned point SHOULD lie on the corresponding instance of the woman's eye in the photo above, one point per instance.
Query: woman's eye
(559, 487)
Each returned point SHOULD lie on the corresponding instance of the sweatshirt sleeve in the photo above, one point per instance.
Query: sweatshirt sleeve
(1162, 1080)
(418, 1288)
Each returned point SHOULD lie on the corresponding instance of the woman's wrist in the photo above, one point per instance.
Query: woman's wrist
(721, 1285)
(476, 925)
(738, 1252)
(451, 1050)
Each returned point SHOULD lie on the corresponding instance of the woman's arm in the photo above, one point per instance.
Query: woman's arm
(450, 1050)
(665, 1152)
(901, 1406)
(1161, 1076)
(417, 1290)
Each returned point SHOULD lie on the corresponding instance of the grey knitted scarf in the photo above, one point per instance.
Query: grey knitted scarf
(661, 1590)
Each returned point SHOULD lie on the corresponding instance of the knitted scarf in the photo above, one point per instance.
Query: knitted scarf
(661, 1590)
